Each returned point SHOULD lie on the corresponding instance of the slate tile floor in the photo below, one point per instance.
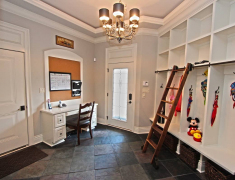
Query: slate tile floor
(112, 154)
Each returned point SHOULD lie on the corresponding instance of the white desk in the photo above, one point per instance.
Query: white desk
(54, 123)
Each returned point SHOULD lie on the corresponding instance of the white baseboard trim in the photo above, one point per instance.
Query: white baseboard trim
(101, 121)
(141, 130)
(38, 139)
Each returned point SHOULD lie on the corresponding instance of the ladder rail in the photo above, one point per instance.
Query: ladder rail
(168, 118)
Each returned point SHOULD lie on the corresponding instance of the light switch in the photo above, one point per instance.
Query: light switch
(41, 90)
(143, 95)
(145, 89)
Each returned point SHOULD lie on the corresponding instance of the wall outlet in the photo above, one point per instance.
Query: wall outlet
(145, 89)
(41, 90)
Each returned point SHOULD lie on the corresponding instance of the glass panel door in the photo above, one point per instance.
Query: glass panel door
(120, 93)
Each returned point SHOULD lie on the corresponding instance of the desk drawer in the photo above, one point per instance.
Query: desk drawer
(60, 120)
(59, 133)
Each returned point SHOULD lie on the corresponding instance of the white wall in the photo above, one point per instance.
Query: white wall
(43, 38)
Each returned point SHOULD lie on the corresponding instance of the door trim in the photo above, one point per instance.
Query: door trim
(133, 48)
(21, 45)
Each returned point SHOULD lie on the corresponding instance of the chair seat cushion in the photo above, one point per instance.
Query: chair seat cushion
(74, 122)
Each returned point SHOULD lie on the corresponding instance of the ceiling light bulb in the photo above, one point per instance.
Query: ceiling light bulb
(134, 18)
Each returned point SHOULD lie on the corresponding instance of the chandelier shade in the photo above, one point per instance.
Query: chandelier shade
(116, 28)
(134, 14)
(118, 10)
(104, 14)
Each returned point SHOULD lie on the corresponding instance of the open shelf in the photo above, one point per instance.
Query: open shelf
(198, 50)
(178, 35)
(223, 45)
(224, 13)
(200, 24)
(162, 62)
(197, 106)
(177, 57)
(164, 42)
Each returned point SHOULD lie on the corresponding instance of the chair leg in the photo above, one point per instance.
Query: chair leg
(78, 135)
(90, 131)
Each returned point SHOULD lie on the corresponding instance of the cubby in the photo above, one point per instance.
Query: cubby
(162, 63)
(199, 50)
(224, 13)
(223, 45)
(178, 35)
(164, 42)
(177, 57)
(200, 24)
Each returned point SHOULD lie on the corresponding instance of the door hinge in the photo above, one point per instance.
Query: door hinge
(107, 117)
(107, 94)
(107, 69)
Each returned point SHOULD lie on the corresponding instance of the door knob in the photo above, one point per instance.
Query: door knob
(22, 108)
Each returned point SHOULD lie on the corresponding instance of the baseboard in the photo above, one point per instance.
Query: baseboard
(101, 121)
(141, 130)
(38, 139)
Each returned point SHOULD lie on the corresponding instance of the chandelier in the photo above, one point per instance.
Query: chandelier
(117, 28)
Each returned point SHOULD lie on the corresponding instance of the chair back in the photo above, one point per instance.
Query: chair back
(85, 112)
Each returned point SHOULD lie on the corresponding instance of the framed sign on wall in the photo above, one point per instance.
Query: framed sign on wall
(64, 42)
(59, 81)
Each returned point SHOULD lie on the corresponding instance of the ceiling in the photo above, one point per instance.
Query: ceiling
(87, 11)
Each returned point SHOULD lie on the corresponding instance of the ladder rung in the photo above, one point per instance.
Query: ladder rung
(165, 117)
(156, 128)
(172, 88)
(179, 70)
(169, 102)
(153, 144)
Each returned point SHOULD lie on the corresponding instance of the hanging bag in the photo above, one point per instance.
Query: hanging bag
(178, 107)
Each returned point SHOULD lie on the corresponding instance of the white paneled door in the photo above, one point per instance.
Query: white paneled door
(120, 95)
(13, 119)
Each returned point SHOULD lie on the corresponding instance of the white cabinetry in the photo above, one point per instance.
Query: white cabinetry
(209, 34)
(54, 123)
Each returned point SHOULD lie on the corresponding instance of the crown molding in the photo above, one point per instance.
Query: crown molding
(9, 7)
(61, 14)
(152, 20)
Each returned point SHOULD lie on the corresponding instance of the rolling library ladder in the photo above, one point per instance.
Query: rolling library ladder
(154, 127)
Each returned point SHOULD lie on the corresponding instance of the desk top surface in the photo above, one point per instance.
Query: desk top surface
(57, 110)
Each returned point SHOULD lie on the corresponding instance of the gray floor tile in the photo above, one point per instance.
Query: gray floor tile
(112, 177)
(117, 139)
(83, 163)
(126, 158)
(34, 170)
(83, 150)
(187, 177)
(101, 140)
(153, 173)
(49, 152)
(143, 157)
(105, 161)
(133, 172)
(136, 146)
(86, 142)
(103, 149)
(58, 166)
(63, 153)
(86, 175)
(107, 172)
(121, 147)
(55, 177)
(165, 154)
(176, 167)
(100, 133)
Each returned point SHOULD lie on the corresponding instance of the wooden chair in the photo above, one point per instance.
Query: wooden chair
(83, 120)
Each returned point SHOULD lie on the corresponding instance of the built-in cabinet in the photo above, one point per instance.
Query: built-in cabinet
(207, 35)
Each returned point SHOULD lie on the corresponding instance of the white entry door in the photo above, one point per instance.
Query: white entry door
(120, 95)
(13, 119)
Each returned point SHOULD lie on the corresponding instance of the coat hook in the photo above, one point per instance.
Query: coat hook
(217, 91)
(161, 86)
(204, 74)
(191, 89)
(233, 72)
